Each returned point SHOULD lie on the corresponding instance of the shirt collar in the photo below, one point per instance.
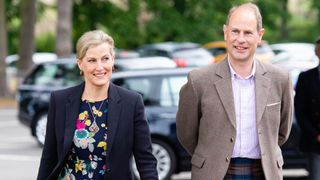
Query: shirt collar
(235, 75)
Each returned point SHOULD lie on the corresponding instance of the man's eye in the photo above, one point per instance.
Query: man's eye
(234, 31)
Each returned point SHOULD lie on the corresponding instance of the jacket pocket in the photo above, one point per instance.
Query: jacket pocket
(197, 160)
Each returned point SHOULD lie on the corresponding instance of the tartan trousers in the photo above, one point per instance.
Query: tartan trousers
(244, 169)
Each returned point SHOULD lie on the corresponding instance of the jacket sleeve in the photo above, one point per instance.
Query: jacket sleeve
(286, 111)
(188, 116)
(301, 107)
(49, 154)
(146, 162)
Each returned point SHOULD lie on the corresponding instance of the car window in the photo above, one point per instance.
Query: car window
(148, 87)
(217, 51)
(192, 53)
(54, 75)
(170, 90)
(156, 91)
(154, 52)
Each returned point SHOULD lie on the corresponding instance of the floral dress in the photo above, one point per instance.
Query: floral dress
(86, 159)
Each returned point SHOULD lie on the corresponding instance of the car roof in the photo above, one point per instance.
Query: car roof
(292, 46)
(138, 72)
(37, 57)
(145, 63)
(151, 72)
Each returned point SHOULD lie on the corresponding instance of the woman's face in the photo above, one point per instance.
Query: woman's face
(97, 65)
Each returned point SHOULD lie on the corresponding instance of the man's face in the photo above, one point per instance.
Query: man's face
(241, 35)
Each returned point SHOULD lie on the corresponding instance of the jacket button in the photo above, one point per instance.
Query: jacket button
(108, 171)
(227, 159)
(232, 140)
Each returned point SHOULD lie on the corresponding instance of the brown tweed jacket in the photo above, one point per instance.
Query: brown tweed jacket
(206, 124)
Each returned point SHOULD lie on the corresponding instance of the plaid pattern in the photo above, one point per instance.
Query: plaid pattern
(245, 169)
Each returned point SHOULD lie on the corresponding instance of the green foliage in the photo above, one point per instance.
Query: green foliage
(180, 20)
(45, 43)
(148, 21)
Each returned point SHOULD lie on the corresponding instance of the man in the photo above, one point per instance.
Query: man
(234, 115)
(307, 110)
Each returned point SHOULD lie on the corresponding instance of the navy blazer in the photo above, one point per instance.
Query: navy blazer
(127, 127)
(307, 103)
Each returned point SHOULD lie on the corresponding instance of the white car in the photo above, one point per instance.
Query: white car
(294, 57)
(11, 67)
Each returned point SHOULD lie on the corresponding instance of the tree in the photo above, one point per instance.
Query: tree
(64, 28)
(26, 37)
(316, 5)
(3, 50)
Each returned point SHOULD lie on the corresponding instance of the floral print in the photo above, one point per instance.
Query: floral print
(86, 159)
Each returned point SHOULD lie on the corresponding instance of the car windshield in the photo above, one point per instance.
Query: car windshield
(155, 90)
(54, 75)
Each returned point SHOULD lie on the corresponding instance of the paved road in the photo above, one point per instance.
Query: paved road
(20, 153)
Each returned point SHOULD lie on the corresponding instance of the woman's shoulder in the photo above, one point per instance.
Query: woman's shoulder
(125, 92)
(66, 92)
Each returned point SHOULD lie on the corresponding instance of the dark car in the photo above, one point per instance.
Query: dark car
(182, 53)
(160, 91)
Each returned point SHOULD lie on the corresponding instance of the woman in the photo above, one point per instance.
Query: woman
(94, 128)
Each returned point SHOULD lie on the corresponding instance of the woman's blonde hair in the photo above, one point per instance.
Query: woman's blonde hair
(92, 39)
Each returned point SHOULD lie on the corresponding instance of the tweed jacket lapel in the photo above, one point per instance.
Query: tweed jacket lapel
(224, 89)
(113, 117)
(262, 89)
(72, 113)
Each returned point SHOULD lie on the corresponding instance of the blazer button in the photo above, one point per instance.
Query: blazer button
(227, 159)
(108, 171)
(232, 140)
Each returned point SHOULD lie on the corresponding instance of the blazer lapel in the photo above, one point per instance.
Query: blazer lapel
(262, 90)
(72, 113)
(224, 89)
(113, 116)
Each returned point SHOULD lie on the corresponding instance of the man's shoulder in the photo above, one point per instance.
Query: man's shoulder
(206, 71)
(274, 70)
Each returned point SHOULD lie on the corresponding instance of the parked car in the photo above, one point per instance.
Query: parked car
(182, 53)
(160, 91)
(156, 62)
(11, 67)
(292, 47)
(219, 50)
(294, 57)
(123, 53)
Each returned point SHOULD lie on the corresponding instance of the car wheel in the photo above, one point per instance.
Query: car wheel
(166, 160)
(40, 128)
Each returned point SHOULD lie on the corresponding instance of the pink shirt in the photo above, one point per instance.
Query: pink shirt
(247, 142)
